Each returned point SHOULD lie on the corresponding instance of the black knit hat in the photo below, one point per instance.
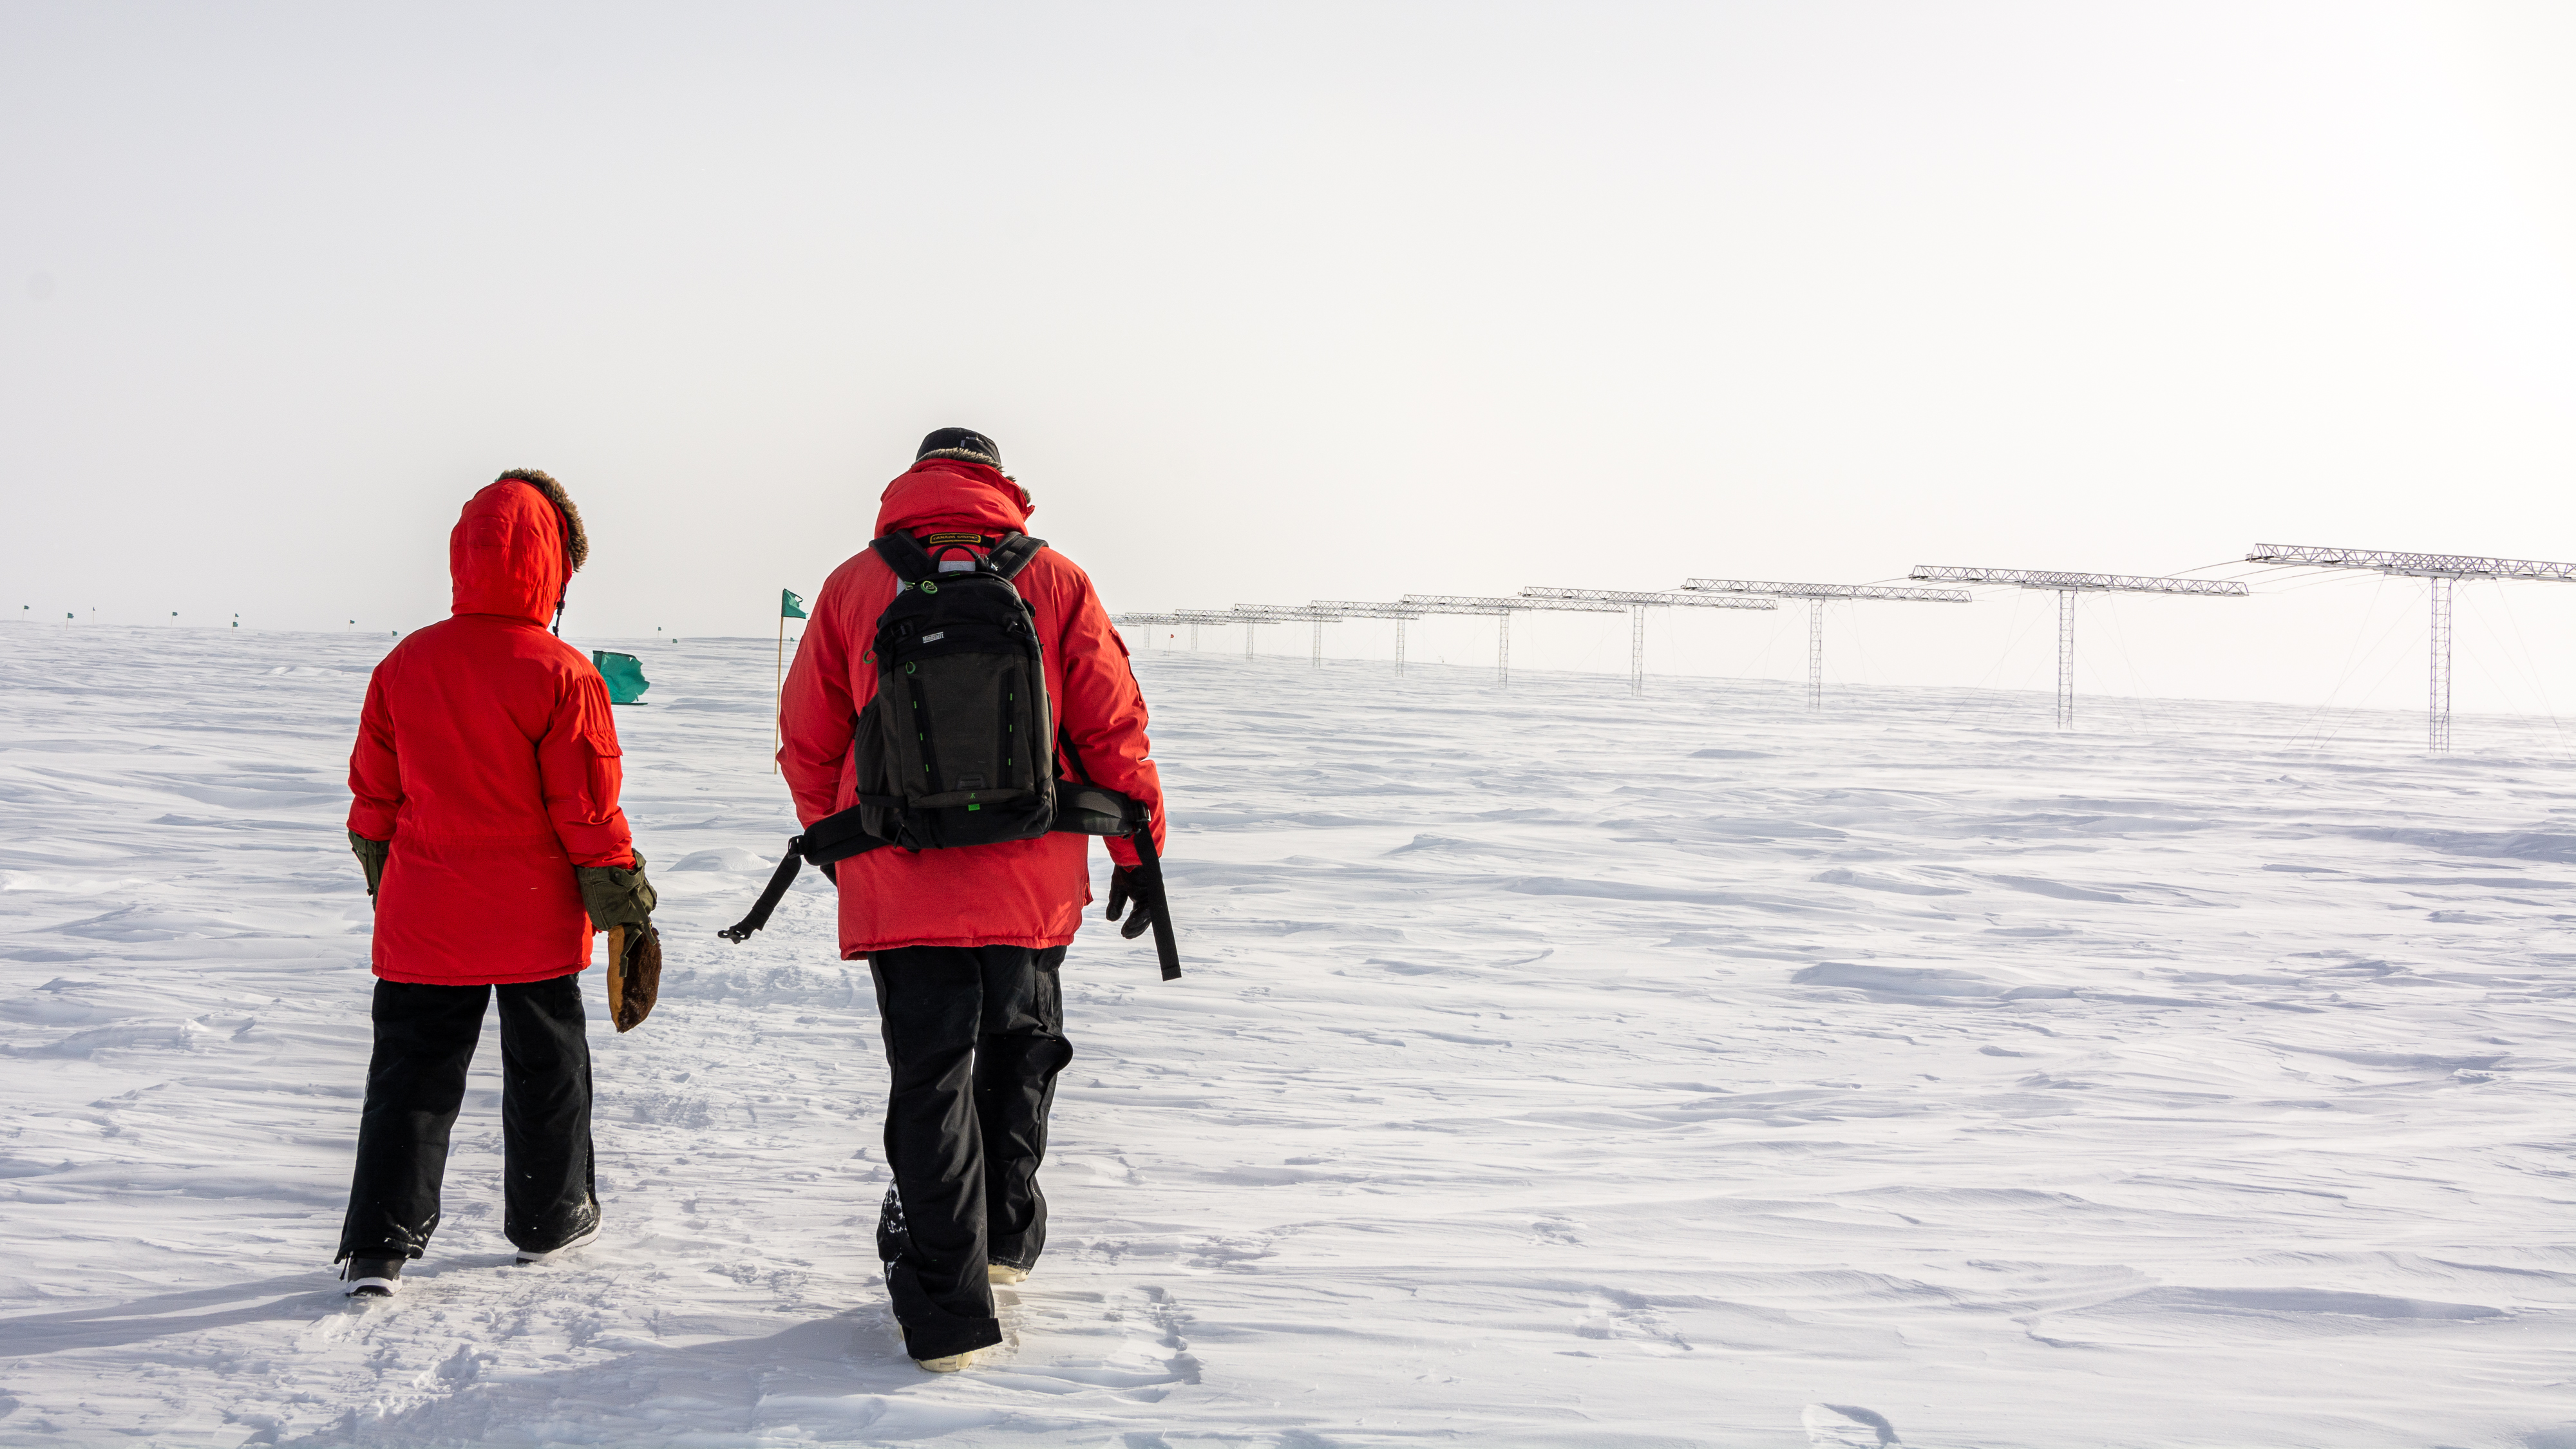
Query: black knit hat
(953, 442)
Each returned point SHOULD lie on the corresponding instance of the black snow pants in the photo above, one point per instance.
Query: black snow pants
(425, 1036)
(975, 1037)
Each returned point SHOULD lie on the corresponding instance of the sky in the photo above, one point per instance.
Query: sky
(1271, 303)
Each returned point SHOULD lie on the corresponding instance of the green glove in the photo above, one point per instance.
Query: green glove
(615, 895)
(371, 856)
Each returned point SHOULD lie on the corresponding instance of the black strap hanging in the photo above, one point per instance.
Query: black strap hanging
(770, 895)
(828, 841)
(1149, 890)
(1083, 810)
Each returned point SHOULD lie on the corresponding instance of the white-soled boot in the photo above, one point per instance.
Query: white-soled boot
(372, 1277)
(561, 1250)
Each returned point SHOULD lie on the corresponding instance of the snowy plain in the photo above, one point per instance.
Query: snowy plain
(1553, 1067)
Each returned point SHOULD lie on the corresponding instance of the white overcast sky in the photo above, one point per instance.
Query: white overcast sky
(1268, 303)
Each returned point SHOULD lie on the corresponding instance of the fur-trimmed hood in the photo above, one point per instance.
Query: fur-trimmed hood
(579, 539)
(514, 548)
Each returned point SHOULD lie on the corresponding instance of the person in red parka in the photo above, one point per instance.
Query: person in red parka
(964, 943)
(486, 775)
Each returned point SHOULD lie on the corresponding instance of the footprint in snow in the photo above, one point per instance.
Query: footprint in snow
(1154, 1352)
(1632, 1317)
(1847, 1426)
(1558, 1231)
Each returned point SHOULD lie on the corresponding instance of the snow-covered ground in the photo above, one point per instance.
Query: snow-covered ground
(1552, 1068)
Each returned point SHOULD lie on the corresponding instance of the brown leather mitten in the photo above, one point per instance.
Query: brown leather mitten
(634, 974)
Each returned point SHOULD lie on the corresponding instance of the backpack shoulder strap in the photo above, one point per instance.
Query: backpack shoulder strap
(904, 554)
(1013, 553)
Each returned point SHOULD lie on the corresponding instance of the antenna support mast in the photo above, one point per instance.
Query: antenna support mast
(1500, 609)
(1198, 618)
(1358, 609)
(2067, 586)
(1256, 614)
(2441, 571)
(1637, 602)
(1816, 596)
(1144, 621)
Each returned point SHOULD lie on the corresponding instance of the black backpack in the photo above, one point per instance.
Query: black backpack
(958, 747)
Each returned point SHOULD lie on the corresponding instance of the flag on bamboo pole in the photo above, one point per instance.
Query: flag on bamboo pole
(790, 606)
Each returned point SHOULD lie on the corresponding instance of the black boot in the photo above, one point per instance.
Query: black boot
(372, 1277)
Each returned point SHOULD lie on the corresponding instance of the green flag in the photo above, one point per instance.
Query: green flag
(625, 676)
(789, 605)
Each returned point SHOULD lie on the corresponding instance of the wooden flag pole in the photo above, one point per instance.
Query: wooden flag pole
(789, 607)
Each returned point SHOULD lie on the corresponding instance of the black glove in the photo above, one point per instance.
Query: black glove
(371, 858)
(617, 895)
(1122, 889)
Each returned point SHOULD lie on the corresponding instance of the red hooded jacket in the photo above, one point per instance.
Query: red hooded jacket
(1022, 892)
(487, 756)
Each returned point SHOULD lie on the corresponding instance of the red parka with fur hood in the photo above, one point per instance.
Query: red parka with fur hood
(487, 756)
(1022, 892)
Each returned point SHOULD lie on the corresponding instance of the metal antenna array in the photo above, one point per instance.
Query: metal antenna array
(2067, 586)
(1496, 609)
(1144, 621)
(1359, 609)
(1196, 618)
(2441, 571)
(1501, 608)
(1637, 602)
(1257, 614)
(1816, 595)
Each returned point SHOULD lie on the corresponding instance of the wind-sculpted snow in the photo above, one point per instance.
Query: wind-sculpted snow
(1553, 1068)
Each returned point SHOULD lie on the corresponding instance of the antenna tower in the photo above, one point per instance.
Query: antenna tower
(1637, 602)
(2441, 571)
(1144, 621)
(1501, 609)
(1816, 595)
(2067, 586)
(1357, 609)
(1198, 618)
(1255, 614)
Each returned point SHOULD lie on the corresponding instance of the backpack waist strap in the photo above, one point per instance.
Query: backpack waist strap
(1080, 810)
